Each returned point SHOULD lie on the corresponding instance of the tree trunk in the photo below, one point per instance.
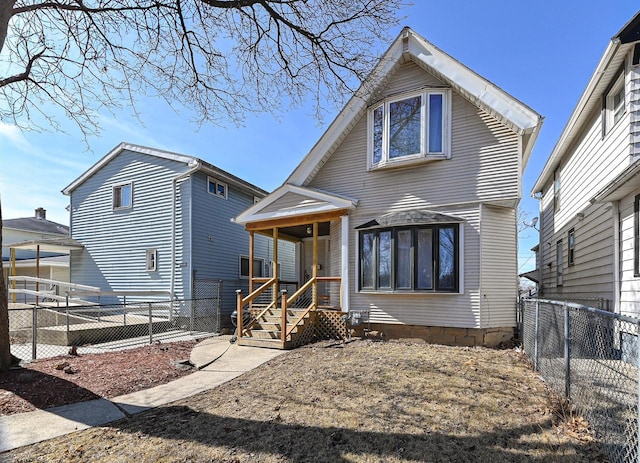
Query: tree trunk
(5, 348)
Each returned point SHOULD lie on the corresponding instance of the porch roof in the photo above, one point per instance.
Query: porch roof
(295, 205)
(62, 245)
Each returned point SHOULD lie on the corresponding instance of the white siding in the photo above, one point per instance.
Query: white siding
(629, 284)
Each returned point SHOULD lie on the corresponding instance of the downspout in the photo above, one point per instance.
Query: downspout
(616, 256)
(195, 167)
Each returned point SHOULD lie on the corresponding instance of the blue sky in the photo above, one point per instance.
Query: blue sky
(541, 52)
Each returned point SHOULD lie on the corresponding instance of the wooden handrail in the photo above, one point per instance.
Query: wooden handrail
(251, 296)
(304, 314)
(264, 311)
(302, 289)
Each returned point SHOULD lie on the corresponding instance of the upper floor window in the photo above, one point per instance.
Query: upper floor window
(409, 128)
(419, 258)
(615, 106)
(122, 197)
(217, 188)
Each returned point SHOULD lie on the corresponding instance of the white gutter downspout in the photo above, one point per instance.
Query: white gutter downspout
(196, 166)
(616, 256)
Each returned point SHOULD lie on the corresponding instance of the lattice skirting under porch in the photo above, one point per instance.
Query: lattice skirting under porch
(325, 324)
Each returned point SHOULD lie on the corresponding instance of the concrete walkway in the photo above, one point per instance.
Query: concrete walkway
(218, 362)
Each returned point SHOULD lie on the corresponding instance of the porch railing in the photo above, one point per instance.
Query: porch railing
(306, 297)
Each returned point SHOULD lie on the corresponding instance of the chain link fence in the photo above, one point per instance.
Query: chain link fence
(39, 331)
(591, 357)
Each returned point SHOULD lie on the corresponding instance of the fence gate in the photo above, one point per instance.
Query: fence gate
(205, 305)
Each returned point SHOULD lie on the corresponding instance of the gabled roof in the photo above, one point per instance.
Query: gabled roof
(35, 225)
(410, 46)
(311, 201)
(194, 163)
(607, 70)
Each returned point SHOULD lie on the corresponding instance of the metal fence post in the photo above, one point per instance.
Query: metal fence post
(150, 325)
(537, 336)
(34, 333)
(567, 353)
(638, 404)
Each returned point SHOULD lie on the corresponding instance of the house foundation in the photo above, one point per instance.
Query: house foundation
(449, 336)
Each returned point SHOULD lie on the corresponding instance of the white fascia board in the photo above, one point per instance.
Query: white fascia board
(576, 120)
(188, 160)
(334, 202)
(479, 90)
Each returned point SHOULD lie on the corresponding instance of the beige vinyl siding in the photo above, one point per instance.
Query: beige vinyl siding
(629, 284)
(484, 159)
(458, 310)
(292, 201)
(499, 268)
(483, 168)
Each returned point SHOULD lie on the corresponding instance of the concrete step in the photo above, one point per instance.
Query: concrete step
(268, 343)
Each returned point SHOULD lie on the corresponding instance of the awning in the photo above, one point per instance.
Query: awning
(412, 217)
(531, 275)
(61, 245)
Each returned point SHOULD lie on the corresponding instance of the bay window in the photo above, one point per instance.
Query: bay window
(410, 128)
(410, 258)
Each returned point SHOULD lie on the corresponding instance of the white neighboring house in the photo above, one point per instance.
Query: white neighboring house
(589, 189)
(53, 265)
(408, 201)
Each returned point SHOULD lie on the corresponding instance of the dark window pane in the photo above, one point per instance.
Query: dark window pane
(404, 127)
(403, 272)
(367, 260)
(258, 268)
(425, 259)
(446, 261)
(384, 266)
(378, 123)
(435, 123)
(244, 267)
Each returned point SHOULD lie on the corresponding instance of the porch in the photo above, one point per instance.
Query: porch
(287, 314)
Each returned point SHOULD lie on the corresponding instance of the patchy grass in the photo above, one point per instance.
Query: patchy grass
(359, 402)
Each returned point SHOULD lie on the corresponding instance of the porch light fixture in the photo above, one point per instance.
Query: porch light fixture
(309, 231)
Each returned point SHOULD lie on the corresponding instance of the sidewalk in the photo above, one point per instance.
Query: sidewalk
(219, 361)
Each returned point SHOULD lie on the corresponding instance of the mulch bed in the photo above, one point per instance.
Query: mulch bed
(69, 379)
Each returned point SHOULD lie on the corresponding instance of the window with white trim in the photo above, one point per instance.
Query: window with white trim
(409, 128)
(258, 267)
(615, 106)
(122, 196)
(636, 236)
(417, 258)
(217, 188)
(152, 260)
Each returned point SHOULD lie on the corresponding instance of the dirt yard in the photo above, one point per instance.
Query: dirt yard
(359, 402)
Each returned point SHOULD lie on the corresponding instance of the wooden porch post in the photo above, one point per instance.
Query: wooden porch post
(250, 265)
(314, 271)
(275, 266)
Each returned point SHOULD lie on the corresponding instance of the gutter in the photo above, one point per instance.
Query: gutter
(195, 166)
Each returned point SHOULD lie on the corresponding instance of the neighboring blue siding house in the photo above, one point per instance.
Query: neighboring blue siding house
(151, 220)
